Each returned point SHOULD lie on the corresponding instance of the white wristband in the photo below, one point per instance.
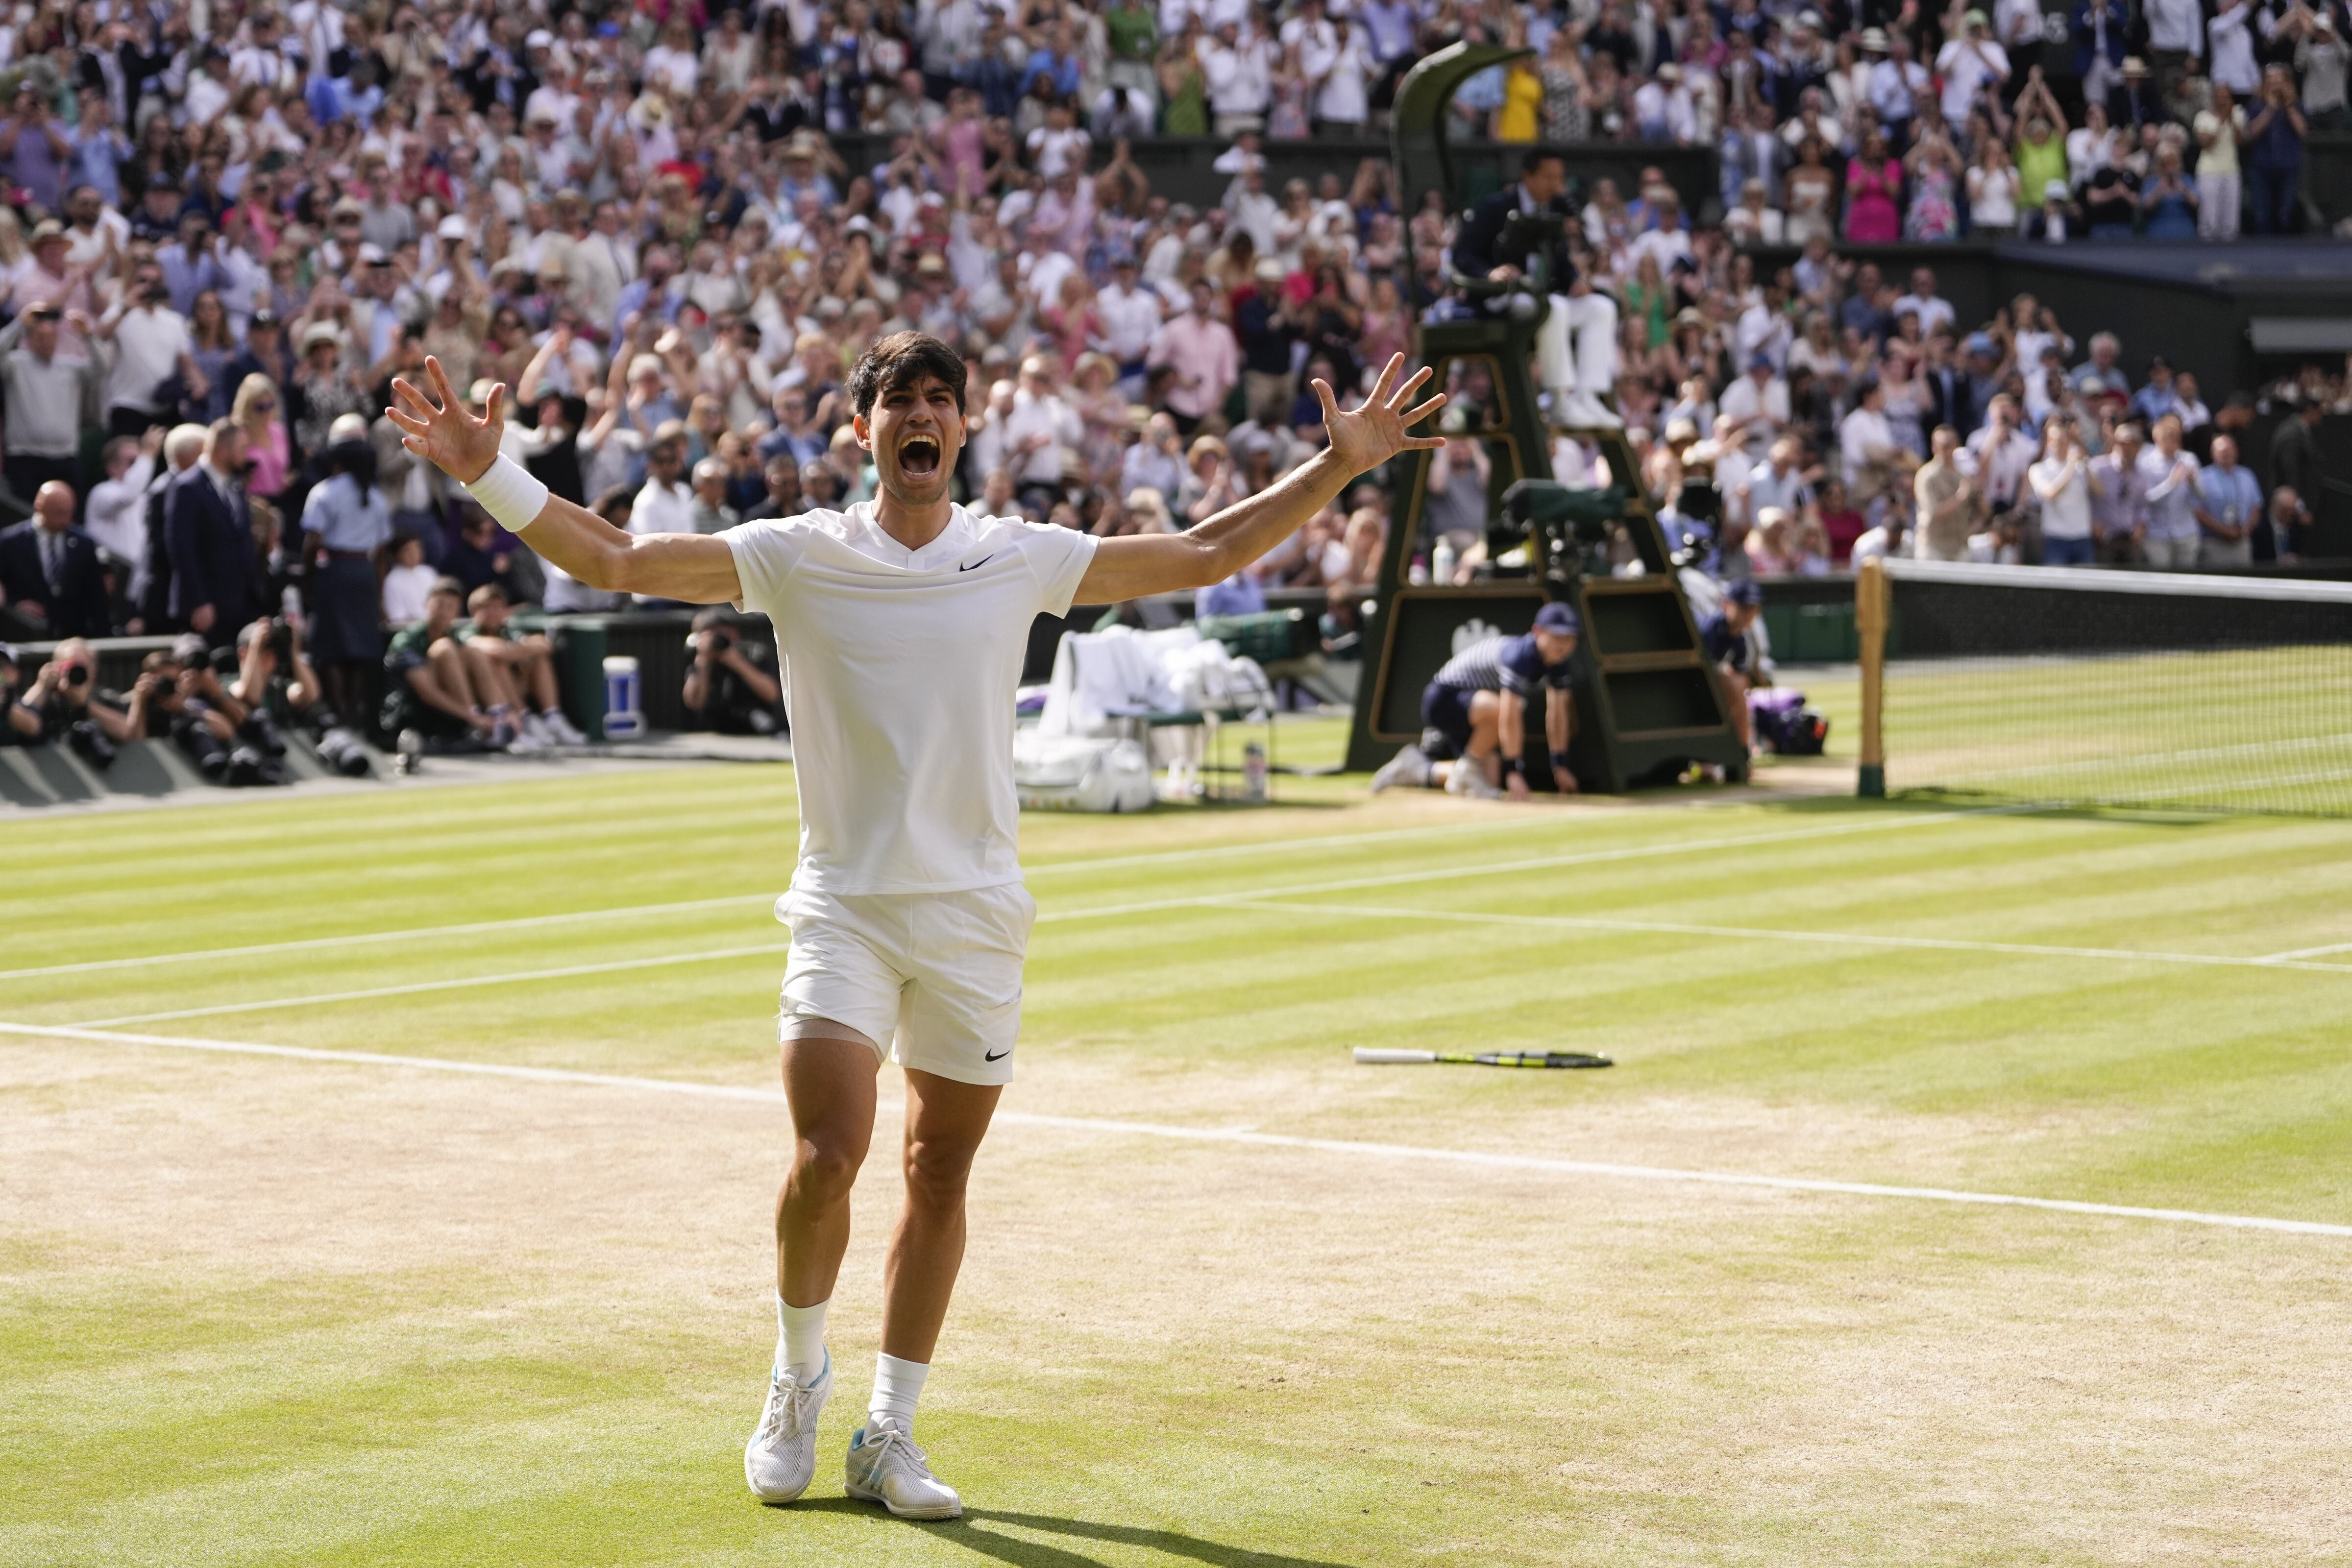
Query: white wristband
(506, 491)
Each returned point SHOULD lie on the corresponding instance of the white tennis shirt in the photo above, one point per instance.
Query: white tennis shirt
(899, 669)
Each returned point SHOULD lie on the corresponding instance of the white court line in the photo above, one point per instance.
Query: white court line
(1392, 1153)
(569, 971)
(1832, 938)
(2307, 953)
(1202, 901)
(418, 933)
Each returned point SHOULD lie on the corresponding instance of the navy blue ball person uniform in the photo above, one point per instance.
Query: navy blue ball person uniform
(1475, 714)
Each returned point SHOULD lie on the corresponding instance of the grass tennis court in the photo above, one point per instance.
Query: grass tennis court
(276, 1310)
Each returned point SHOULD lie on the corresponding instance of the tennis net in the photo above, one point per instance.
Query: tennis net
(2075, 687)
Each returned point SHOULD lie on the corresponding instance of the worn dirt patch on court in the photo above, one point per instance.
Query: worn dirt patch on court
(1627, 1367)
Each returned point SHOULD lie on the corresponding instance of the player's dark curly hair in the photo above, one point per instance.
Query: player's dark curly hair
(901, 359)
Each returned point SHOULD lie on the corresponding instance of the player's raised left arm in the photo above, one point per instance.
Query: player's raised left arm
(1360, 438)
(697, 569)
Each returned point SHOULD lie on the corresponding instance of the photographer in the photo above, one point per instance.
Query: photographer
(23, 726)
(65, 704)
(165, 706)
(731, 686)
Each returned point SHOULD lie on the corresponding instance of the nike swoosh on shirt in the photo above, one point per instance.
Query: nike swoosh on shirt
(975, 566)
(996, 1055)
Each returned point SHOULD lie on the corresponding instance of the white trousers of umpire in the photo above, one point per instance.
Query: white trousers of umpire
(1587, 369)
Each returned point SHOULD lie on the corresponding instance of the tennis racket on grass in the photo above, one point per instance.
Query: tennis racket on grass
(1365, 1056)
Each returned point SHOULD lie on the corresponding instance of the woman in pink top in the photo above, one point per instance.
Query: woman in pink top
(960, 140)
(256, 413)
(1873, 182)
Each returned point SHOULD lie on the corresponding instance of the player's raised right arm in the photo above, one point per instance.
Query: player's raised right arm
(697, 569)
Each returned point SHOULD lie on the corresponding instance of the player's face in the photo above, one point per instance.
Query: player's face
(916, 433)
(1552, 648)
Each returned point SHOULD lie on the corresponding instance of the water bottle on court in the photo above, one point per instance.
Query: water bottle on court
(624, 720)
(1440, 562)
(1253, 773)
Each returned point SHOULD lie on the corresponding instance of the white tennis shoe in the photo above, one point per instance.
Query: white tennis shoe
(885, 1467)
(562, 730)
(1466, 778)
(781, 1458)
(1409, 767)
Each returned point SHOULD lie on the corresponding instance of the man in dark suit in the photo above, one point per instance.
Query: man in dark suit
(217, 587)
(51, 574)
(1577, 382)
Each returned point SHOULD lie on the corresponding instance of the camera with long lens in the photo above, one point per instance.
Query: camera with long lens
(342, 749)
(281, 641)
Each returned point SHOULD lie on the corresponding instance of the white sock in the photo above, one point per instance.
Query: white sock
(897, 1385)
(799, 1340)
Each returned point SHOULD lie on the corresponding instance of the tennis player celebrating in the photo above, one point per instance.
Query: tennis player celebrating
(903, 622)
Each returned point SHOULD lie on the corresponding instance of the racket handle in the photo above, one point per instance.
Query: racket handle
(1365, 1055)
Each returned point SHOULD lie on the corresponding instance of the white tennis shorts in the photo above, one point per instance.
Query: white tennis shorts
(932, 978)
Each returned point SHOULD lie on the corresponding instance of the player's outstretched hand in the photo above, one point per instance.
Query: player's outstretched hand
(1370, 434)
(438, 427)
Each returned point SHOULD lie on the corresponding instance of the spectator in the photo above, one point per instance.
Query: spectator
(52, 397)
(50, 573)
(216, 584)
(731, 684)
(512, 674)
(1950, 506)
(408, 581)
(2119, 499)
(2061, 483)
(1199, 350)
(2171, 540)
(2274, 136)
(2228, 504)
(433, 682)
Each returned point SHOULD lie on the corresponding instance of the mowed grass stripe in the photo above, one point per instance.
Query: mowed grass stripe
(1450, 871)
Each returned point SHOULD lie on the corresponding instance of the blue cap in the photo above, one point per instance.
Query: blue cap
(1559, 620)
(1742, 592)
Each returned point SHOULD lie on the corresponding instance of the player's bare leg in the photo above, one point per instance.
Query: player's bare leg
(946, 1121)
(829, 1080)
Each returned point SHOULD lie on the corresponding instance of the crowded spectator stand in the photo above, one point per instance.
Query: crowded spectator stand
(670, 229)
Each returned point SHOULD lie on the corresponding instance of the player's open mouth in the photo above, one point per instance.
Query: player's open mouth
(920, 454)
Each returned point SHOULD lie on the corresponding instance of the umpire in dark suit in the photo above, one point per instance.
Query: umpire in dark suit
(1576, 346)
(216, 586)
(52, 574)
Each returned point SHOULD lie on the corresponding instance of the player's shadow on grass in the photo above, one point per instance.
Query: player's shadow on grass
(1024, 1553)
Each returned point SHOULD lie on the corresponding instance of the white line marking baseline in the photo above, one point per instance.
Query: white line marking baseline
(1344, 1146)
(1201, 901)
(1263, 902)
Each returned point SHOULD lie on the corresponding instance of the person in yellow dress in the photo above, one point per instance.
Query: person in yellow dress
(1522, 104)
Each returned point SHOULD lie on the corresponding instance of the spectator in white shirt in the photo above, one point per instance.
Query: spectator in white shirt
(2061, 483)
(1969, 65)
(1932, 308)
(1042, 430)
(151, 343)
(1130, 315)
(1343, 71)
(1757, 404)
(1239, 70)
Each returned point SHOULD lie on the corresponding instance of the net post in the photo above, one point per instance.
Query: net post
(1869, 613)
